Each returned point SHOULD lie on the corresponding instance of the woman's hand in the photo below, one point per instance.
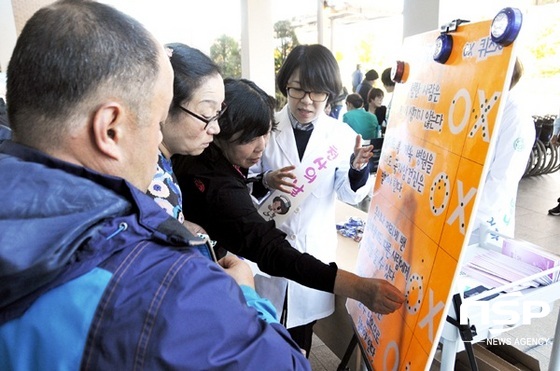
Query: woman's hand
(378, 295)
(275, 179)
(361, 154)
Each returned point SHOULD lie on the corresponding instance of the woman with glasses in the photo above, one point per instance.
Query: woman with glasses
(217, 198)
(192, 122)
(310, 79)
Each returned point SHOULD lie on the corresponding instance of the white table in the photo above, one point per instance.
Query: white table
(489, 325)
(336, 330)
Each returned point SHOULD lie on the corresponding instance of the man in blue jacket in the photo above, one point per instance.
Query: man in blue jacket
(94, 274)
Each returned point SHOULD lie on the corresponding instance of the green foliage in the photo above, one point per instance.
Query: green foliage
(365, 52)
(369, 56)
(286, 36)
(546, 48)
(280, 100)
(226, 53)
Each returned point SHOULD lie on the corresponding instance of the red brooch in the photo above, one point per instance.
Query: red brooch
(198, 183)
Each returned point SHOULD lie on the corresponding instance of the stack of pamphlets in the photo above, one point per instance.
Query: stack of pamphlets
(533, 255)
(517, 260)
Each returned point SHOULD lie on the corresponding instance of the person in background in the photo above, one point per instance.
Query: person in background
(369, 127)
(376, 107)
(95, 275)
(337, 106)
(556, 142)
(387, 81)
(357, 77)
(217, 198)
(310, 79)
(365, 86)
(515, 138)
(389, 86)
(361, 121)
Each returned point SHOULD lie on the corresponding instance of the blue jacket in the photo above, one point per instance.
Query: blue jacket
(5, 132)
(96, 276)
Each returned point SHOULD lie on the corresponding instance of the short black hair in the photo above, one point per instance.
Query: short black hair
(355, 100)
(517, 73)
(386, 77)
(374, 93)
(191, 69)
(67, 53)
(372, 75)
(318, 70)
(250, 111)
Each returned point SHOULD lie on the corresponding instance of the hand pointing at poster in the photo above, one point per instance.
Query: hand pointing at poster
(378, 295)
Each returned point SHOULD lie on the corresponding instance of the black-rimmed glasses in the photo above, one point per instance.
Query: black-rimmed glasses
(207, 121)
(315, 96)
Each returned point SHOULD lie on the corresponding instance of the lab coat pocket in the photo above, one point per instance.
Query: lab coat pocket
(325, 189)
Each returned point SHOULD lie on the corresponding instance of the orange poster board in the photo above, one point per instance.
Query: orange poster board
(432, 164)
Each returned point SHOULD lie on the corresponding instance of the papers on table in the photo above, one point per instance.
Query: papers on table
(517, 260)
(533, 255)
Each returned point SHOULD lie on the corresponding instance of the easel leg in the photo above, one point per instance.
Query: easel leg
(448, 354)
(554, 361)
(466, 332)
(348, 353)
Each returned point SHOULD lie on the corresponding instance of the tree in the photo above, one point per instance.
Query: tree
(286, 35)
(545, 49)
(226, 53)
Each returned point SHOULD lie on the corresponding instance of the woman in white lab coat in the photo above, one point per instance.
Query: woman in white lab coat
(309, 79)
(515, 138)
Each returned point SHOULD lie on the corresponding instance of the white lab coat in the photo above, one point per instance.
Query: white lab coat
(312, 226)
(514, 143)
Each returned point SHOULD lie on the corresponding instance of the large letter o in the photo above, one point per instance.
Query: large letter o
(464, 94)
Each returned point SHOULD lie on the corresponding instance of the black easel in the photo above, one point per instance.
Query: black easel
(465, 331)
(348, 353)
(349, 350)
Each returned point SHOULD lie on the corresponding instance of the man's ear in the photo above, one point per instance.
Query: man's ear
(108, 125)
